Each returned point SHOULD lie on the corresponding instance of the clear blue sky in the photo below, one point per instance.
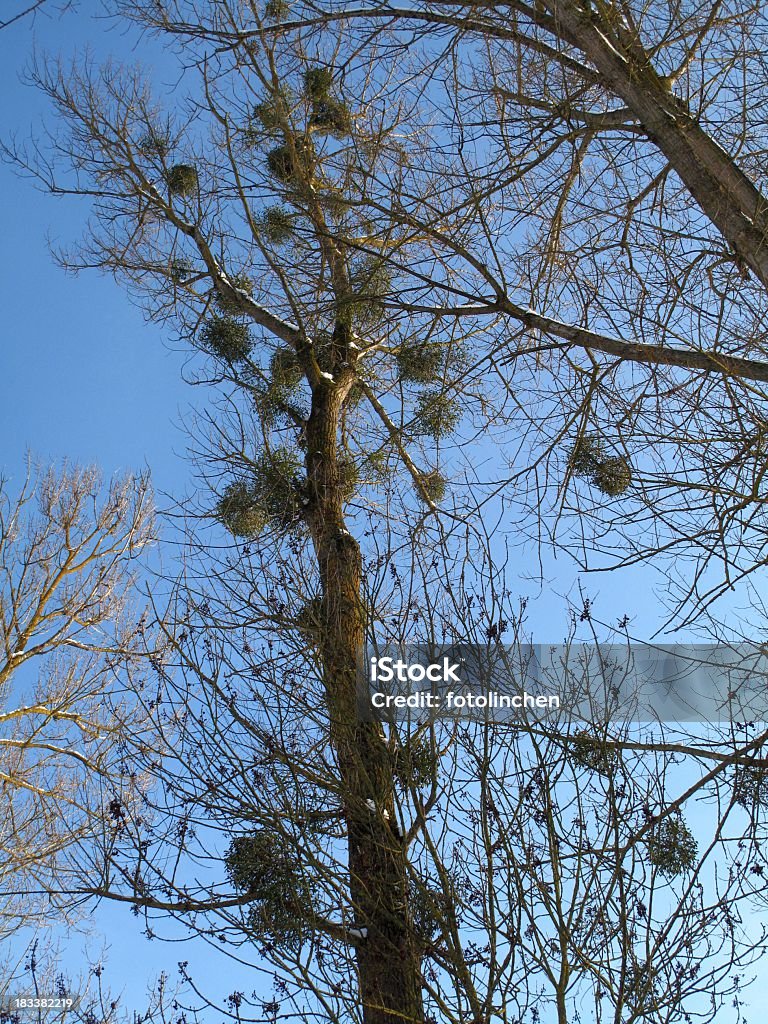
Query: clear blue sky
(84, 377)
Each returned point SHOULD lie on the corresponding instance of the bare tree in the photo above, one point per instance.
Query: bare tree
(547, 870)
(68, 552)
(607, 264)
(377, 259)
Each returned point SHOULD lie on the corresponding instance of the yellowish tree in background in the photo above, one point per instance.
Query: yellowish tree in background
(69, 552)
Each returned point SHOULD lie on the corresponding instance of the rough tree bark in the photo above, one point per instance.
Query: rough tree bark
(387, 953)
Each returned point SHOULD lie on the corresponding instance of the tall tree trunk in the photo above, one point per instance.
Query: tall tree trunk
(388, 958)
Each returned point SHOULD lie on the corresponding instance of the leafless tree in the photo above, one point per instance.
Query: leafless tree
(548, 870)
(575, 187)
(391, 235)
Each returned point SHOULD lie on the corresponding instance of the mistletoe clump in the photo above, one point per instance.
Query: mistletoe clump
(269, 117)
(155, 143)
(277, 225)
(437, 414)
(589, 752)
(415, 764)
(370, 282)
(419, 363)
(433, 487)
(309, 620)
(318, 82)
(271, 496)
(586, 455)
(180, 270)
(226, 338)
(323, 349)
(349, 477)
(289, 164)
(277, 10)
(260, 867)
(285, 369)
(329, 115)
(182, 180)
(611, 474)
(278, 482)
(334, 201)
(671, 847)
(281, 162)
(425, 906)
(272, 403)
(379, 464)
(240, 511)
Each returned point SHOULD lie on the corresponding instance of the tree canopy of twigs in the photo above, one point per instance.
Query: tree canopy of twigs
(22, 11)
